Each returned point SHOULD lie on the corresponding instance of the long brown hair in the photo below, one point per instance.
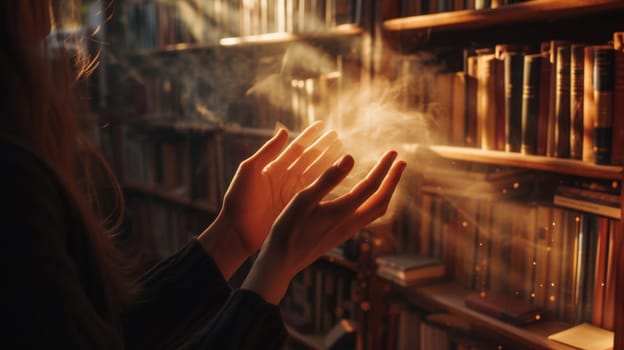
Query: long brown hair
(41, 112)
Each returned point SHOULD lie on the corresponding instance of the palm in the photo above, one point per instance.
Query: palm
(266, 182)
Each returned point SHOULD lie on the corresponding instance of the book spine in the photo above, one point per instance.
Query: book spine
(565, 283)
(600, 269)
(483, 246)
(555, 252)
(617, 147)
(576, 101)
(562, 103)
(550, 48)
(471, 102)
(519, 251)
(603, 96)
(530, 103)
(544, 106)
(589, 105)
(513, 78)
(615, 241)
(499, 99)
(486, 102)
(458, 111)
(542, 254)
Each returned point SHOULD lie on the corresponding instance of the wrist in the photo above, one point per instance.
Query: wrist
(268, 278)
(221, 242)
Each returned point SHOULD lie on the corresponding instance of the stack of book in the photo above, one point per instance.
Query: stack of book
(477, 181)
(591, 201)
(408, 269)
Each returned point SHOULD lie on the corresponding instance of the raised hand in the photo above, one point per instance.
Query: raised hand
(263, 185)
(309, 226)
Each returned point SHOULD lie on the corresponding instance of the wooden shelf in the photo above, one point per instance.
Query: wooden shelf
(174, 125)
(313, 341)
(337, 259)
(338, 34)
(523, 23)
(556, 165)
(450, 297)
(169, 196)
(530, 11)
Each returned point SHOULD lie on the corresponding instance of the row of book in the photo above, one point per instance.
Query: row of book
(321, 296)
(184, 166)
(159, 24)
(262, 97)
(565, 100)
(193, 163)
(412, 329)
(558, 259)
(156, 228)
(422, 7)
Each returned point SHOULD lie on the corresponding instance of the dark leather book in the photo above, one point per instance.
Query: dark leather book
(577, 62)
(562, 102)
(503, 307)
(513, 78)
(603, 97)
(530, 102)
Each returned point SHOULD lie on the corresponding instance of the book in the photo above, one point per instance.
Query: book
(603, 97)
(452, 169)
(503, 307)
(514, 186)
(406, 269)
(406, 262)
(594, 202)
(585, 336)
(458, 101)
(486, 101)
(530, 103)
(615, 241)
(589, 105)
(617, 146)
(562, 102)
(577, 52)
(550, 48)
(513, 80)
(544, 106)
(600, 271)
(470, 120)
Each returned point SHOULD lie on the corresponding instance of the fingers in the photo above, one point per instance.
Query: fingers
(321, 163)
(313, 194)
(298, 145)
(270, 149)
(370, 210)
(366, 187)
(377, 204)
(312, 152)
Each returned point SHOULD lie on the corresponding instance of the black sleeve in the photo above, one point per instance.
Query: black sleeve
(245, 322)
(178, 294)
(186, 295)
(44, 303)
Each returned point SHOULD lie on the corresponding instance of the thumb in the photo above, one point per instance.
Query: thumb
(270, 150)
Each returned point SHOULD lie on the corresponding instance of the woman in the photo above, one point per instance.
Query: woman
(66, 284)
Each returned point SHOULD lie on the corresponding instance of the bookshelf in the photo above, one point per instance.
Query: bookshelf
(451, 36)
(197, 87)
(180, 94)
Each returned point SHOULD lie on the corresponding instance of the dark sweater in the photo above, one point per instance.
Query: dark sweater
(53, 293)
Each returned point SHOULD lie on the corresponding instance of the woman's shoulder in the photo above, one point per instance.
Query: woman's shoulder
(23, 170)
